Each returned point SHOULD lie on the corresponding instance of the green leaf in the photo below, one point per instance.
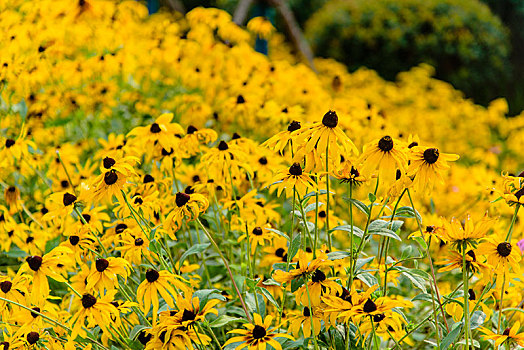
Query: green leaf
(205, 294)
(338, 255)
(372, 197)
(136, 330)
(269, 297)
(367, 278)
(361, 262)
(421, 242)
(280, 233)
(477, 319)
(379, 227)
(423, 297)
(296, 283)
(312, 206)
(406, 212)
(356, 231)
(417, 281)
(195, 249)
(361, 206)
(224, 320)
(293, 247)
(452, 336)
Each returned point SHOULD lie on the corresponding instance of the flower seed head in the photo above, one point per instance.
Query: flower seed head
(139, 242)
(259, 332)
(385, 144)
(101, 265)
(222, 146)
(191, 129)
(257, 231)
(306, 312)
(330, 119)
(5, 286)
(181, 199)
(295, 169)
(431, 155)
(68, 199)
(34, 262)
(293, 126)
(88, 301)
(120, 228)
(152, 275)
(32, 337)
(504, 249)
(155, 128)
(471, 294)
(110, 178)
(318, 276)
(188, 315)
(108, 162)
(148, 178)
(74, 240)
(370, 306)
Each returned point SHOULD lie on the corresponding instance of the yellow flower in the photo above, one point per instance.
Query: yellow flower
(188, 206)
(427, 165)
(162, 131)
(383, 157)
(261, 26)
(257, 336)
(510, 335)
(104, 273)
(293, 179)
(501, 255)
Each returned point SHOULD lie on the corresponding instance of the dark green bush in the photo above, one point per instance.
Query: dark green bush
(462, 39)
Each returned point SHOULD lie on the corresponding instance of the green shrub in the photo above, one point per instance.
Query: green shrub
(462, 39)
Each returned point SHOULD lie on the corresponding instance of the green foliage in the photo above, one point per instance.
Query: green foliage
(466, 43)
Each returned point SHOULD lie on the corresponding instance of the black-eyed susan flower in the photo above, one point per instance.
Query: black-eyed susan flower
(60, 205)
(501, 255)
(282, 139)
(258, 335)
(161, 131)
(427, 165)
(96, 311)
(188, 206)
(257, 237)
(383, 157)
(468, 234)
(158, 282)
(317, 286)
(509, 335)
(104, 273)
(303, 321)
(293, 179)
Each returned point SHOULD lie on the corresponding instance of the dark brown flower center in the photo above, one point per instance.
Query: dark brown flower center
(110, 178)
(34, 262)
(120, 228)
(139, 242)
(68, 199)
(504, 249)
(144, 337)
(318, 276)
(32, 337)
(88, 301)
(152, 275)
(262, 160)
(9, 143)
(108, 162)
(306, 312)
(354, 172)
(148, 178)
(155, 128)
(240, 99)
(295, 169)
(280, 252)
(471, 294)
(222, 146)
(385, 144)
(506, 332)
(370, 306)
(259, 332)
(188, 315)
(379, 317)
(322, 214)
(101, 265)
(257, 231)
(330, 119)
(472, 255)
(431, 155)
(74, 240)
(5, 286)
(181, 199)
(519, 193)
(293, 126)
(413, 144)
(37, 309)
(191, 129)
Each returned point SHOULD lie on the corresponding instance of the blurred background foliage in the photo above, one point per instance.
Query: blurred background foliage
(476, 45)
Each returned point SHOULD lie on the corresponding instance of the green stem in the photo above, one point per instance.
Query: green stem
(465, 279)
(327, 200)
(311, 317)
(501, 300)
(228, 269)
(513, 219)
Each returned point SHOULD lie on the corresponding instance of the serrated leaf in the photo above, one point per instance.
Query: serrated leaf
(347, 228)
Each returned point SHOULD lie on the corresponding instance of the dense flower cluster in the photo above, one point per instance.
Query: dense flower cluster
(166, 187)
